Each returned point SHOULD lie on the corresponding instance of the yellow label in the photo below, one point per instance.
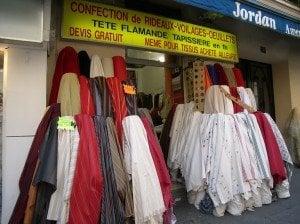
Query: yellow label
(129, 89)
(66, 123)
(89, 21)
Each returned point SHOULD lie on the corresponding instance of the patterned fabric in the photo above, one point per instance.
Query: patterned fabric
(199, 85)
(188, 83)
(30, 164)
(111, 208)
(206, 205)
(118, 103)
(67, 61)
(86, 194)
(122, 181)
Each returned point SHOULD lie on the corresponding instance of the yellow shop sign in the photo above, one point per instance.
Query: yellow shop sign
(89, 21)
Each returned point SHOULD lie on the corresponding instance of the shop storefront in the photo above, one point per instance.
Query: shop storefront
(178, 50)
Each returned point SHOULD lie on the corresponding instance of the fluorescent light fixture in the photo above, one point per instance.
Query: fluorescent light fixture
(161, 58)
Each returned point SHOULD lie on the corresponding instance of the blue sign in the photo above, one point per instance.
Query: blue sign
(249, 14)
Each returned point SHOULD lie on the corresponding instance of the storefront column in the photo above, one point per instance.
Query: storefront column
(24, 84)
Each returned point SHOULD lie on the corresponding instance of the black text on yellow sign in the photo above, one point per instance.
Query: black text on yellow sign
(89, 21)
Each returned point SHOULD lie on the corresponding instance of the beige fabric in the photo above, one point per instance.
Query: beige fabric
(108, 67)
(69, 95)
(230, 77)
(96, 68)
(293, 135)
(217, 102)
(188, 82)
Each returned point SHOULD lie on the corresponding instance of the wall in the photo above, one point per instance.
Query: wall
(24, 82)
(294, 73)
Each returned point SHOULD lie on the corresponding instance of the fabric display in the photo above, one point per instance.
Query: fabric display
(95, 157)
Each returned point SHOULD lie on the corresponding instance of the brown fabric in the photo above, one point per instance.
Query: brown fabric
(31, 200)
(230, 77)
(199, 85)
(123, 186)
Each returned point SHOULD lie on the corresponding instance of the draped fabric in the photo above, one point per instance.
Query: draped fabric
(131, 99)
(161, 169)
(67, 61)
(69, 95)
(122, 181)
(87, 103)
(86, 194)
(217, 102)
(208, 81)
(244, 96)
(212, 74)
(252, 98)
(107, 110)
(45, 177)
(165, 135)
(120, 68)
(230, 77)
(147, 195)
(96, 94)
(84, 63)
(96, 67)
(68, 141)
(222, 78)
(111, 208)
(30, 164)
(237, 108)
(275, 158)
(118, 103)
(108, 67)
(238, 77)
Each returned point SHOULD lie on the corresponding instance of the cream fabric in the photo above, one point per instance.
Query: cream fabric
(244, 96)
(108, 67)
(252, 98)
(217, 102)
(69, 95)
(68, 142)
(147, 194)
(96, 68)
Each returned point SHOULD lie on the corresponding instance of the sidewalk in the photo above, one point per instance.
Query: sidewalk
(283, 211)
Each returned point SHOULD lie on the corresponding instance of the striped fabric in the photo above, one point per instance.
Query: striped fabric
(105, 99)
(118, 103)
(131, 99)
(112, 210)
(86, 194)
(122, 181)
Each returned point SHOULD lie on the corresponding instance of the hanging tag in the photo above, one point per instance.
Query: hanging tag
(128, 89)
(66, 123)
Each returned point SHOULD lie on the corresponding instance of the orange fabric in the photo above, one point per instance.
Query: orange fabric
(208, 81)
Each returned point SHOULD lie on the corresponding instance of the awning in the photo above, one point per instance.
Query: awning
(248, 12)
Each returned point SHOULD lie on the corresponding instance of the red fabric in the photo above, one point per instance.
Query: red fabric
(222, 77)
(273, 151)
(29, 167)
(86, 195)
(161, 169)
(120, 68)
(237, 108)
(238, 77)
(67, 61)
(87, 103)
(118, 103)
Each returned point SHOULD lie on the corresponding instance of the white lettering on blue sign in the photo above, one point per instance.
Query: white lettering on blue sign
(292, 31)
(254, 17)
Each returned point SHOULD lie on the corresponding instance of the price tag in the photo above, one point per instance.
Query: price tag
(66, 123)
(128, 89)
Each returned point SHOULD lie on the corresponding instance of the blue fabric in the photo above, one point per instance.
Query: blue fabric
(212, 74)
